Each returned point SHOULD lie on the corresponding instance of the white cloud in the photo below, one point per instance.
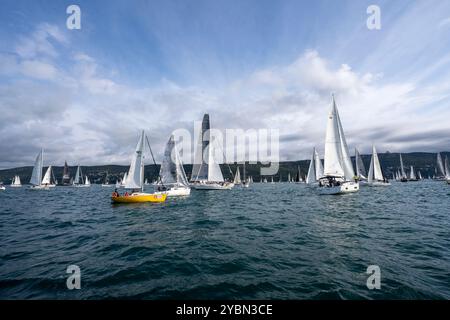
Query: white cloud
(38, 69)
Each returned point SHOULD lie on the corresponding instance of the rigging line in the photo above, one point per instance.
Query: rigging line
(153, 158)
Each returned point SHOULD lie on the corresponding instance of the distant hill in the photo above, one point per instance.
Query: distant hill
(423, 161)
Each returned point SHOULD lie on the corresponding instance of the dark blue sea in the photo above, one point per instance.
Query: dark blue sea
(271, 241)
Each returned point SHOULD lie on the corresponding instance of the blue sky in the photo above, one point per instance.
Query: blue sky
(160, 65)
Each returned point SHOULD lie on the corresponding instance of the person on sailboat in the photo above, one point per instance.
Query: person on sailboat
(115, 193)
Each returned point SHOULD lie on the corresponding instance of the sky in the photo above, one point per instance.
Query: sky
(84, 95)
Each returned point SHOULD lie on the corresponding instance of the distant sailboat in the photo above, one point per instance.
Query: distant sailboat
(338, 169)
(124, 180)
(172, 178)
(78, 179)
(245, 181)
(315, 171)
(206, 173)
(36, 175)
(237, 177)
(65, 181)
(375, 177)
(135, 179)
(412, 175)
(360, 168)
(447, 170)
(47, 180)
(16, 182)
(440, 170)
(298, 176)
(403, 177)
(106, 182)
(87, 183)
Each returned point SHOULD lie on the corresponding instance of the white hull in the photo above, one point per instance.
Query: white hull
(345, 187)
(378, 184)
(212, 186)
(81, 185)
(2, 188)
(42, 187)
(176, 192)
(16, 186)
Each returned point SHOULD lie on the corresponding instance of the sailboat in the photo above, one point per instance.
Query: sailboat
(447, 170)
(47, 180)
(246, 181)
(106, 183)
(78, 179)
(16, 182)
(124, 180)
(298, 177)
(375, 177)
(146, 182)
(412, 175)
(36, 175)
(272, 181)
(135, 179)
(172, 178)
(206, 173)
(419, 175)
(87, 183)
(315, 170)
(403, 177)
(440, 170)
(237, 177)
(65, 181)
(338, 169)
(360, 169)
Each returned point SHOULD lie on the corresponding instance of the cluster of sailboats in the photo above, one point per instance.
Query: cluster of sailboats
(335, 176)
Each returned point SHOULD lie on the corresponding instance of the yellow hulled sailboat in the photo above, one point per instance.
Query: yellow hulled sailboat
(135, 180)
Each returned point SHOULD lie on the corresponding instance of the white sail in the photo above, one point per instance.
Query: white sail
(172, 171)
(200, 166)
(135, 176)
(318, 165)
(378, 174)
(86, 181)
(237, 176)
(336, 152)
(124, 180)
(47, 176)
(402, 168)
(440, 166)
(311, 177)
(36, 175)
(16, 181)
(214, 171)
(447, 168)
(420, 175)
(78, 175)
(412, 175)
(360, 169)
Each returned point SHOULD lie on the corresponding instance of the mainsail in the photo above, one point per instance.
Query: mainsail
(172, 171)
(135, 178)
(36, 175)
(447, 168)
(311, 177)
(318, 165)
(402, 168)
(412, 175)
(337, 161)
(440, 166)
(78, 179)
(375, 172)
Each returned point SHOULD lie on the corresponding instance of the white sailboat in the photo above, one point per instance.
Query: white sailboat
(360, 168)
(16, 182)
(403, 177)
(447, 170)
(298, 177)
(106, 183)
(172, 178)
(124, 180)
(206, 173)
(135, 179)
(78, 179)
(315, 170)
(47, 180)
(440, 172)
(87, 183)
(338, 169)
(375, 177)
(412, 174)
(237, 177)
(246, 181)
(36, 175)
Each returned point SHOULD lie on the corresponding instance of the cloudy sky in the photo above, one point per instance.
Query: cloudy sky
(84, 94)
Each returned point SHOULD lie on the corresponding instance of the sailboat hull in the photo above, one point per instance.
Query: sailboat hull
(2, 188)
(378, 184)
(42, 187)
(345, 187)
(140, 198)
(15, 186)
(212, 186)
(176, 192)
